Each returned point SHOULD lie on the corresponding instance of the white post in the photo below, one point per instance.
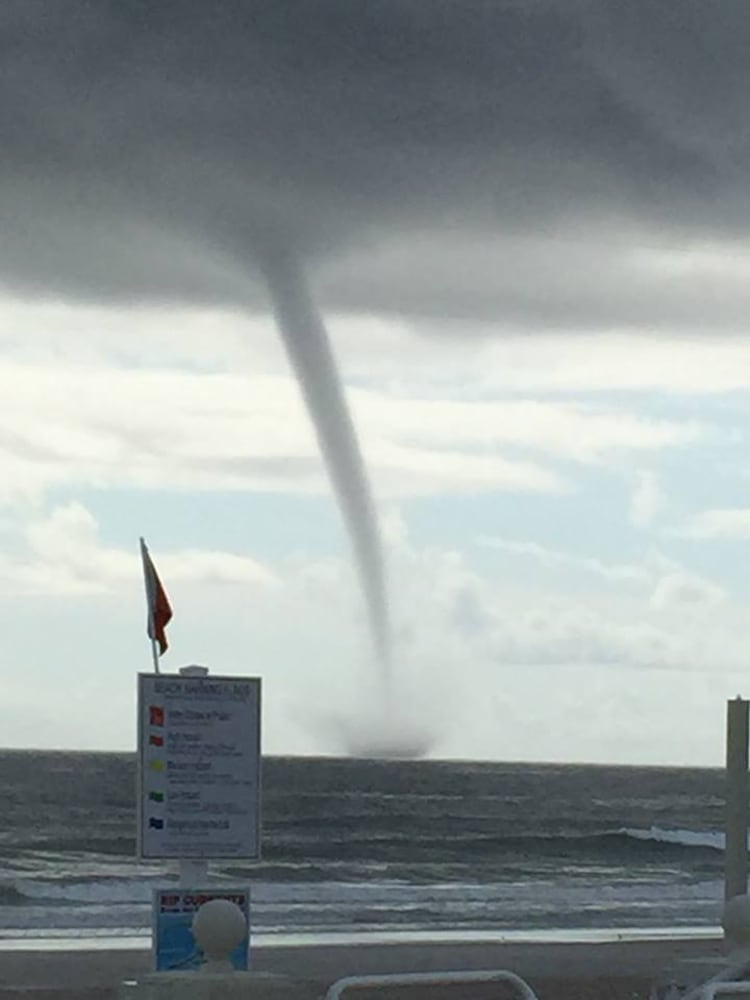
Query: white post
(735, 854)
(193, 872)
(154, 651)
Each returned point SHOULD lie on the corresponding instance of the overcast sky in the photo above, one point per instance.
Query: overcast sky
(528, 227)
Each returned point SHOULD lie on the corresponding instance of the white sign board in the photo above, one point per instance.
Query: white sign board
(199, 767)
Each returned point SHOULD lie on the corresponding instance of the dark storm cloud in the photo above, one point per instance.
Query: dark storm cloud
(149, 148)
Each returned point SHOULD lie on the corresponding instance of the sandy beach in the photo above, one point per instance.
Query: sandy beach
(620, 970)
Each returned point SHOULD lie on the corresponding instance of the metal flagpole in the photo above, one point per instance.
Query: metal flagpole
(150, 602)
(154, 651)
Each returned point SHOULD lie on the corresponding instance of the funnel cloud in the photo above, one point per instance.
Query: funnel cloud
(309, 350)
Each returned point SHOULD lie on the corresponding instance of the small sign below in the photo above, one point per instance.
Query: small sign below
(174, 947)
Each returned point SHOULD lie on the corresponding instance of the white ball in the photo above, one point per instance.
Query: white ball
(218, 927)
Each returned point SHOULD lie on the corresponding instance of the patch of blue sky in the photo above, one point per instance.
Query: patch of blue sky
(702, 477)
(591, 519)
(266, 526)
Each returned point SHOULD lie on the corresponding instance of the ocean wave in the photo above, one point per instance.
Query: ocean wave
(457, 859)
(338, 906)
(317, 896)
(685, 838)
(478, 848)
(10, 895)
(92, 891)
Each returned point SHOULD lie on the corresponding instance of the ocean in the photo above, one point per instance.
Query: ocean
(379, 846)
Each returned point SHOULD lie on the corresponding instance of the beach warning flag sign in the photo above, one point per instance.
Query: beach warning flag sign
(159, 608)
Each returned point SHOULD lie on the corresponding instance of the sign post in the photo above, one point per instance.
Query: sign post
(735, 854)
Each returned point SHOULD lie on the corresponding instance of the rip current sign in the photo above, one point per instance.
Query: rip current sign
(174, 947)
(199, 767)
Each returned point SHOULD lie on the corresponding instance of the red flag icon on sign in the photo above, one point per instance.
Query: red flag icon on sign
(155, 715)
(156, 741)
